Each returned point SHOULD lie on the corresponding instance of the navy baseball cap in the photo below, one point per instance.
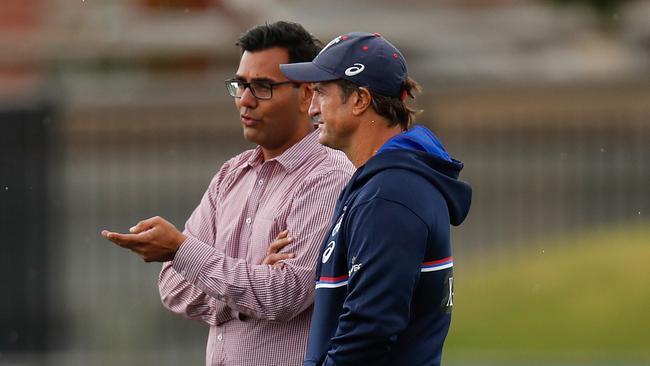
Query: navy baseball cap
(366, 59)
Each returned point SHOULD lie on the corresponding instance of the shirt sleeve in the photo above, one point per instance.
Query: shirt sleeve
(180, 296)
(261, 291)
(386, 246)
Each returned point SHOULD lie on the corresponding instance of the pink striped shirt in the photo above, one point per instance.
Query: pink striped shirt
(258, 315)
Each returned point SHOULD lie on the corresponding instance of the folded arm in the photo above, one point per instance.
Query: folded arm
(262, 291)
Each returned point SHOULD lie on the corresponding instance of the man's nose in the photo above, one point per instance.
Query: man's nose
(314, 107)
(248, 99)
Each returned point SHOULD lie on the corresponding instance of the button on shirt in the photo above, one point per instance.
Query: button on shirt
(258, 315)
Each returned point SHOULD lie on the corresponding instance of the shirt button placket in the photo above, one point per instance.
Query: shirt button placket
(219, 346)
(250, 210)
(258, 189)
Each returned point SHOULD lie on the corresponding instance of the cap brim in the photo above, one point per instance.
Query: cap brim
(306, 72)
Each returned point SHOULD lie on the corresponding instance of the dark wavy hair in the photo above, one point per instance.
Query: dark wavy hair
(301, 45)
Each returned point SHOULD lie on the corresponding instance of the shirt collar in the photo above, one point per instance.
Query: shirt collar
(257, 158)
(291, 157)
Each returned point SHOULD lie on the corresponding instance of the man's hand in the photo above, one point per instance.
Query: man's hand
(273, 258)
(154, 239)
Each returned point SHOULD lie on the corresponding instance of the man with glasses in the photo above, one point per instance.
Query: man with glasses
(218, 270)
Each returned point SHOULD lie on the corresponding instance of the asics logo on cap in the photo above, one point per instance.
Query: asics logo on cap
(354, 70)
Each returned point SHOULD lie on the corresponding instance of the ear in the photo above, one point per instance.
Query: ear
(305, 92)
(361, 101)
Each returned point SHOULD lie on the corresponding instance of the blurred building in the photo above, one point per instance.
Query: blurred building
(450, 41)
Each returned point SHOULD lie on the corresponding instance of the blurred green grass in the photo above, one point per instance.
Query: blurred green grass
(578, 299)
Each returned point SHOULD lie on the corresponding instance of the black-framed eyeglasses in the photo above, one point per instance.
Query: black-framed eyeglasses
(260, 89)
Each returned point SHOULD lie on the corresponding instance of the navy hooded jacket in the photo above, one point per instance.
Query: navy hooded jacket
(384, 288)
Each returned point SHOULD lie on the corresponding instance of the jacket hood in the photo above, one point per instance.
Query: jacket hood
(419, 150)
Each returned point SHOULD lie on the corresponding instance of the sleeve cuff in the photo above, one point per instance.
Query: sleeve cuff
(191, 257)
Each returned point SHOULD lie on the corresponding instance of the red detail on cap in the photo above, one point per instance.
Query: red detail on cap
(404, 94)
(377, 34)
(365, 48)
(345, 38)
(395, 55)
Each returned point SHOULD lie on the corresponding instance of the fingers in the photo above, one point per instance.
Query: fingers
(278, 244)
(272, 259)
(123, 240)
(283, 234)
(272, 256)
(144, 225)
(153, 239)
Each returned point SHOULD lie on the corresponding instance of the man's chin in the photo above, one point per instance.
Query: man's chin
(251, 134)
(325, 140)
(322, 136)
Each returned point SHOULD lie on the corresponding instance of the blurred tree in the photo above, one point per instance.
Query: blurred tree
(605, 10)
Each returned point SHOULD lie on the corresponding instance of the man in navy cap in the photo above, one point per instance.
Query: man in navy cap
(385, 285)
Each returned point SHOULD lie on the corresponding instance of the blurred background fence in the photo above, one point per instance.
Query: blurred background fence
(110, 113)
(546, 161)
